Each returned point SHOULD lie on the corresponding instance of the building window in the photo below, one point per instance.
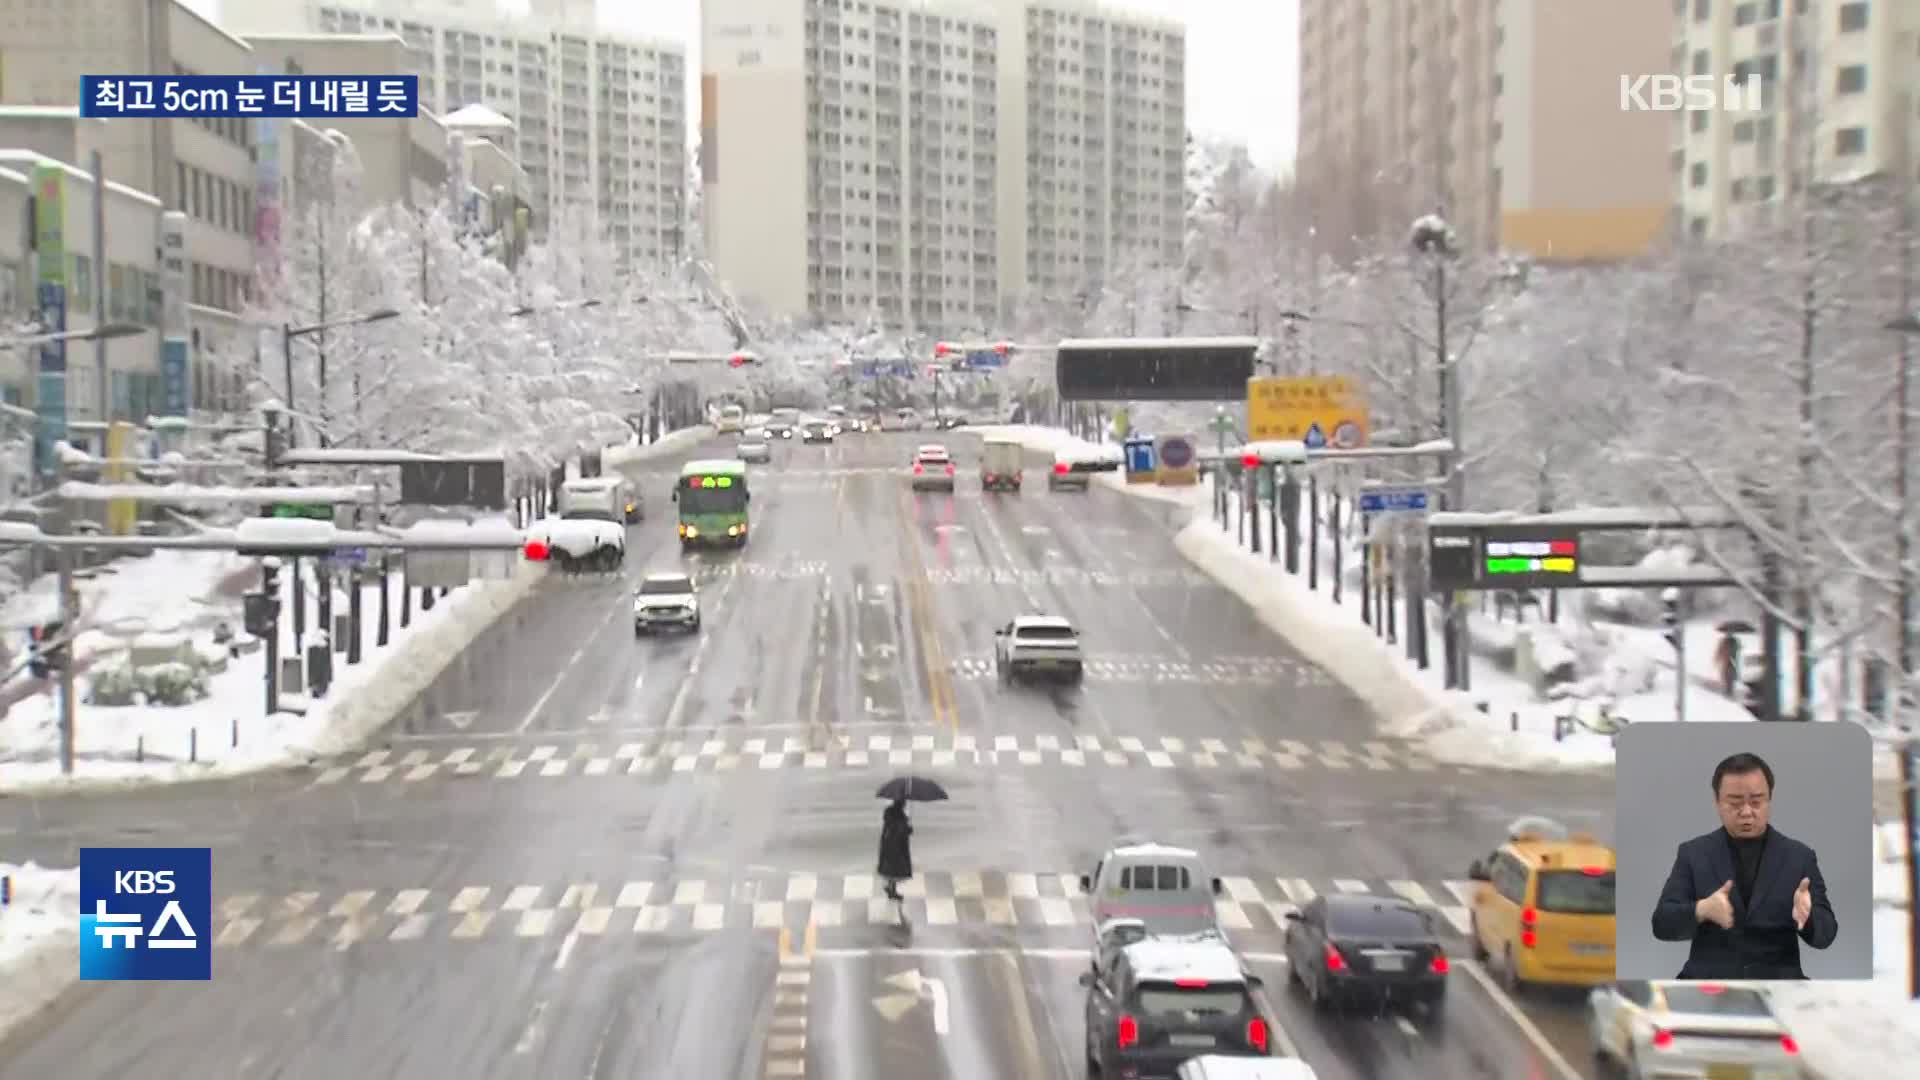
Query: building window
(1853, 17)
(1702, 62)
(1697, 120)
(1697, 176)
(1848, 142)
(1746, 14)
(1702, 10)
(80, 284)
(1851, 79)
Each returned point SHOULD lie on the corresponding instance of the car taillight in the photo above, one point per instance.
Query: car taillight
(1335, 962)
(1529, 919)
(918, 468)
(949, 468)
(1788, 1045)
(1060, 467)
(1129, 1030)
(1257, 1034)
(1662, 1039)
(1440, 965)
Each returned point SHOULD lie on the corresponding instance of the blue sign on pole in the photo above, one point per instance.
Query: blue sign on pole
(1315, 438)
(173, 375)
(1394, 500)
(51, 404)
(986, 358)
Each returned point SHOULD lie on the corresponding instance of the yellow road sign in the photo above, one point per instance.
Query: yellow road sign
(1319, 410)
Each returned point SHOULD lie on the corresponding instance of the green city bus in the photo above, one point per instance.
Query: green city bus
(712, 500)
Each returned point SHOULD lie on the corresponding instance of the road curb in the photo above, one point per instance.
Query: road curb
(39, 975)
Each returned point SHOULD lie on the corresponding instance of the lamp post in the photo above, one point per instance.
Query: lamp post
(288, 332)
(103, 332)
(1433, 237)
(1906, 326)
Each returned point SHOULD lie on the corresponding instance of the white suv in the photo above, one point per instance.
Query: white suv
(665, 600)
(1032, 644)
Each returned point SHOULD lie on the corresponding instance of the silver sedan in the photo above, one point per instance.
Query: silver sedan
(1653, 1028)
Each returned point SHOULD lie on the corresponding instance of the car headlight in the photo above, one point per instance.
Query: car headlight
(689, 531)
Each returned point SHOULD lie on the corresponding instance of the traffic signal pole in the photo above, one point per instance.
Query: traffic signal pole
(69, 619)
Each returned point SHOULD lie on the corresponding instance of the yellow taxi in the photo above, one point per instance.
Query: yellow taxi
(1543, 911)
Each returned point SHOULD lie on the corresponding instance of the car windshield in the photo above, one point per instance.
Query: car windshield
(1160, 999)
(666, 587)
(587, 514)
(1575, 892)
(1045, 633)
(1717, 1001)
(1384, 922)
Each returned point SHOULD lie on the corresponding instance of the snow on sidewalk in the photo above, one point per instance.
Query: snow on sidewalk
(39, 939)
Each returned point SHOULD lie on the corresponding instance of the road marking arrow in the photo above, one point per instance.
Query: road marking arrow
(463, 719)
(915, 987)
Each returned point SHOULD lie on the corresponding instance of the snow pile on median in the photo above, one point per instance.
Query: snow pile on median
(39, 940)
(1053, 441)
(635, 452)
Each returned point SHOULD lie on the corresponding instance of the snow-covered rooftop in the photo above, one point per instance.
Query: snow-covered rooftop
(29, 158)
(476, 116)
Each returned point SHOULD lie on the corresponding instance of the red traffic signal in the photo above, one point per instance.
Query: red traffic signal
(1251, 461)
(736, 359)
(1003, 347)
(943, 348)
(537, 551)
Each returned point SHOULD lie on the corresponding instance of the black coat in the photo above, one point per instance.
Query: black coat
(896, 849)
(1764, 943)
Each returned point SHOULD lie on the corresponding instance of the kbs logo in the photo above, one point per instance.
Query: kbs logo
(145, 914)
(1691, 93)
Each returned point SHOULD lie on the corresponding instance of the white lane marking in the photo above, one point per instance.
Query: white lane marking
(1406, 1026)
(532, 1033)
(566, 950)
(1520, 1021)
(566, 668)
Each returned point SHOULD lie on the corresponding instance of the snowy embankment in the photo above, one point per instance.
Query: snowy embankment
(39, 939)
(171, 601)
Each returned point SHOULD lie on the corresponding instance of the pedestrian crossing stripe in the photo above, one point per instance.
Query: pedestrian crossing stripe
(731, 753)
(1002, 899)
(1269, 672)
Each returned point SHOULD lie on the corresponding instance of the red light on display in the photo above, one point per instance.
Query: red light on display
(537, 551)
(1563, 547)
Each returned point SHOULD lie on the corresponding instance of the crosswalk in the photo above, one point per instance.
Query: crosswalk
(519, 761)
(1270, 671)
(793, 902)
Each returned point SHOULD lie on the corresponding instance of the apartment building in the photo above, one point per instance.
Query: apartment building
(1505, 115)
(1841, 102)
(402, 159)
(200, 166)
(923, 163)
(134, 293)
(599, 118)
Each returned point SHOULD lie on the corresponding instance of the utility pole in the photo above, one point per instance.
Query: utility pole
(69, 622)
(1904, 588)
(1674, 615)
(101, 397)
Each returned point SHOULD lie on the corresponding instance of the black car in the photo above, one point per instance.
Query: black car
(817, 431)
(1347, 948)
(1155, 1003)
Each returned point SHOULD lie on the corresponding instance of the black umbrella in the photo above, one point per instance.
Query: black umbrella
(912, 789)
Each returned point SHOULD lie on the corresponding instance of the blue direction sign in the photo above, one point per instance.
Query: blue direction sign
(349, 556)
(1315, 438)
(1402, 499)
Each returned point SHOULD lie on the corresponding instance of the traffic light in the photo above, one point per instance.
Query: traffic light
(740, 359)
(49, 652)
(260, 611)
(537, 551)
(1003, 347)
(1670, 617)
(944, 348)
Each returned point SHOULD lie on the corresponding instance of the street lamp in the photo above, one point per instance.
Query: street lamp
(565, 305)
(103, 332)
(1903, 612)
(1432, 237)
(288, 332)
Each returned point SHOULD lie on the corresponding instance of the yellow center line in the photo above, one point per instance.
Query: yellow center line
(933, 664)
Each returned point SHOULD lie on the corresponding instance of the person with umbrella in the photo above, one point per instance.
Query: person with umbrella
(896, 831)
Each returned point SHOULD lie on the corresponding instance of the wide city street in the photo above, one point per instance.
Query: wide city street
(587, 854)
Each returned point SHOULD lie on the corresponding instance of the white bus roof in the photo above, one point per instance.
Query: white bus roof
(714, 466)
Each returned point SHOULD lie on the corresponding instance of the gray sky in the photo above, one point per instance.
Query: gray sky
(1242, 60)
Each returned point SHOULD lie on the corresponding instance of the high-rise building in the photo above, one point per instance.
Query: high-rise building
(599, 118)
(1841, 101)
(926, 163)
(1504, 115)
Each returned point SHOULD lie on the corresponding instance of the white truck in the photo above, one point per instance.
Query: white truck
(601, 498)
(1037, 644)
(1000, 468)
